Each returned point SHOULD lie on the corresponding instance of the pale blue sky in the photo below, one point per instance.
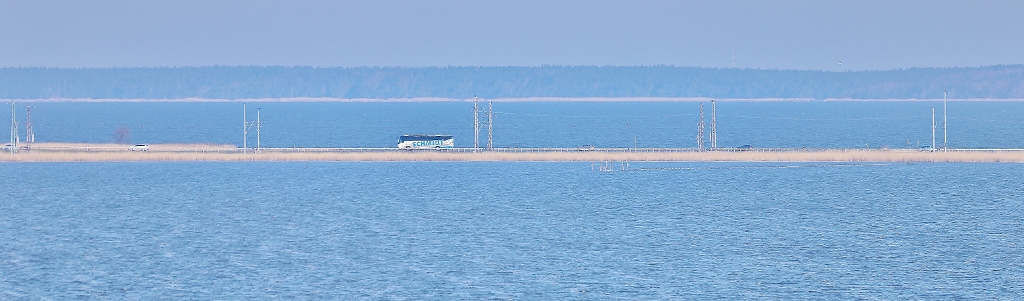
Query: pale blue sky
(762, 34)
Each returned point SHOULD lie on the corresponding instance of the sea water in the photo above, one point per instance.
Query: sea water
(343, 230)
(538, 124)
(513, 230)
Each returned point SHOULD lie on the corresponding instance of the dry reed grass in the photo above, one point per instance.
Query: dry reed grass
(155, 147)
(776, 156)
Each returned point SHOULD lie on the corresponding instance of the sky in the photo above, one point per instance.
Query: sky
(807, 35)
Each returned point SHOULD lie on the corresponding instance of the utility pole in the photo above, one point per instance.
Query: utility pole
(933, 129)
(490, 125)
(714, 132)
(700, 129)
(944, 141)
(476, 123)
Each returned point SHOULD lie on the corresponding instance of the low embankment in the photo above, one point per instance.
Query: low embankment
(118, 153)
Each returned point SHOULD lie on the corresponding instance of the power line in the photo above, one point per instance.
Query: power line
(593, 116)
(909, 117)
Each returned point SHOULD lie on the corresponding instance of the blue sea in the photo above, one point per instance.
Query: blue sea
(538, 124)
(517, 230)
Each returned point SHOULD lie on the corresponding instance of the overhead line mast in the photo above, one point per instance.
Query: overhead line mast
(245, 131)
(30, 136)
(490, 125)
(246, 124)
(259, 125)
(14, 130)
(700, 129)
(476, 123)
(714, 132)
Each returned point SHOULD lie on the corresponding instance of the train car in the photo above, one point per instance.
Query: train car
(425, 141)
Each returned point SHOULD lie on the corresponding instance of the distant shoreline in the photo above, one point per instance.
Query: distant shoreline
(527, 99)
(505, 83)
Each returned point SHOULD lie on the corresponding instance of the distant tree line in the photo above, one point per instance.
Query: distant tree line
(237, 82)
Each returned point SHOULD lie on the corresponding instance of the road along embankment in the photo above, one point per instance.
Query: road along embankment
(116, 153)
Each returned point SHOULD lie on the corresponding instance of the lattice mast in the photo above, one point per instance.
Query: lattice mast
(245, 131)
(944, 141)
(30, 136)
(259, 125)
(490, 125)
(476, 123)
(14, 129)
(700, 129)
(714, 131)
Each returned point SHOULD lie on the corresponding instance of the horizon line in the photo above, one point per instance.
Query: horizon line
(507, 66)
(499, 99)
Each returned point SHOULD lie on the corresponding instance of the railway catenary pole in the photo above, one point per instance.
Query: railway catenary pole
(700, 129)
(476, 123)
(490, 125)
(30, 135)
(714, 131)
(258, 126)
(245, 131)
(14, 130)
(944, 140)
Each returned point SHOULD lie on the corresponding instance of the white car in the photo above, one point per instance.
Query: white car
(139, 148)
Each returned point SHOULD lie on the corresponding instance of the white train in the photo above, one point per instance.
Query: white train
(425, 141)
